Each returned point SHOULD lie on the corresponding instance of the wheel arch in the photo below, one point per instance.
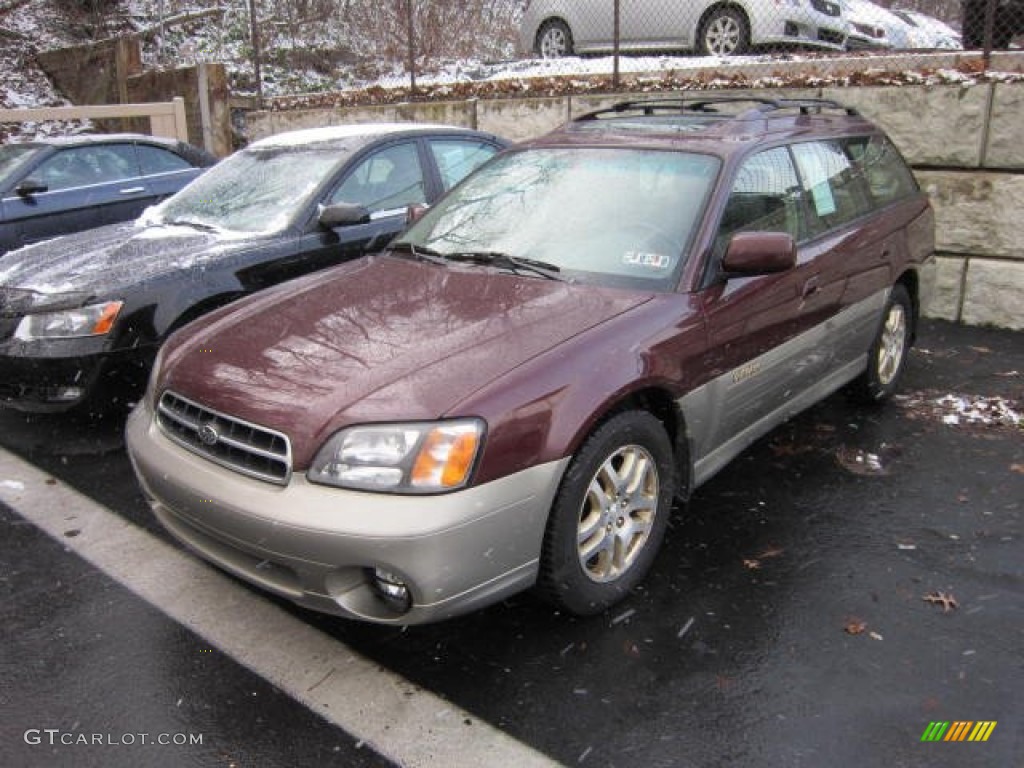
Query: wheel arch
(660, 403)
(729, 4)
(184, 315)
(911, 281)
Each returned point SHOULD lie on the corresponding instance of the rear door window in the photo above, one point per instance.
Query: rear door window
(455, 158)
(156, 160)
(834, 186)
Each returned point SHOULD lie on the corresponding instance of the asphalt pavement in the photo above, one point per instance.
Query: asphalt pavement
(854, 577)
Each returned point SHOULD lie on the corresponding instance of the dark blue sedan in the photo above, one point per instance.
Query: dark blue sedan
(58, 186)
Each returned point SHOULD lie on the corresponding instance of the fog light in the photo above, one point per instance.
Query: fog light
(65, 394)
(392, 590)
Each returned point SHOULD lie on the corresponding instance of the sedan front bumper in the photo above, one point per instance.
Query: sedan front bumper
(319, 546)
(46, 378)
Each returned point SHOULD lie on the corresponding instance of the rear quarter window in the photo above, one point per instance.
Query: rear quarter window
(886, 173)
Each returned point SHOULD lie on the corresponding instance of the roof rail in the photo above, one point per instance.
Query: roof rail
(708, 106)
(816, 106)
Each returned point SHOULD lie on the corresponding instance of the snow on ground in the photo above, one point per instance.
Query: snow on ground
(959, 410)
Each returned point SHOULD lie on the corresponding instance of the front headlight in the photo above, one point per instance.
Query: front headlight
(400, 458)
(93, 320)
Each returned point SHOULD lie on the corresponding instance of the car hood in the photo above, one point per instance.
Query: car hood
(379, 339)
(105, 261)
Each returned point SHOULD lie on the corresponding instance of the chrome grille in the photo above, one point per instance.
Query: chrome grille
(246, 448)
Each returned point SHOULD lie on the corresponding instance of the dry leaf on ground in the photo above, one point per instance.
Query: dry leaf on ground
(948, 602)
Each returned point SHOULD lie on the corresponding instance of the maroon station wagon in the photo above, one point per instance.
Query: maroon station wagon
(514, 394)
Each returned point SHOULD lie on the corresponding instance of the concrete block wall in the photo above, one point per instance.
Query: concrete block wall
(965, 142)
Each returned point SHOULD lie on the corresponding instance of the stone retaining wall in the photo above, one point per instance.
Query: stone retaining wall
(111, 72)
(965, 142)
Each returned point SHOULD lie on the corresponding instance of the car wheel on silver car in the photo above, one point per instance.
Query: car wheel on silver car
(888, 354)
(554, 40)
(610, 514)
(725, 33)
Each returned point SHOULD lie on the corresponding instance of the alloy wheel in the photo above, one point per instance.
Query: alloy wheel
(617, 513)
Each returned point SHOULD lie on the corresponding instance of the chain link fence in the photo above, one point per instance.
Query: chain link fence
(427, 48)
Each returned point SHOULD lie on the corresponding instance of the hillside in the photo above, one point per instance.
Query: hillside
(306, 46)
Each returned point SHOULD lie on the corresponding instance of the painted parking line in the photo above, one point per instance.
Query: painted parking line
(406, 724)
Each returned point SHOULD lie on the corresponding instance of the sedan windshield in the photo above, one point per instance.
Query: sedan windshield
(259, 190)
(12, 157)
(612, 215)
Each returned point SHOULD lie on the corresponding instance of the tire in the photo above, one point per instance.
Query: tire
(973, 24)
(725, 32)
(554, 40)
(609, 517)
(887, 356)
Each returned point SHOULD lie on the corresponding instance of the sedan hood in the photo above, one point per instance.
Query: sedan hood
(381, 339)
(105, 261)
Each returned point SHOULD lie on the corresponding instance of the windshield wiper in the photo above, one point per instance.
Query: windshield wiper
(518, 264)
(194, 223)
(420, 252)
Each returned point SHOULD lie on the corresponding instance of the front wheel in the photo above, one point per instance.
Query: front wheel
(610, 514)
(725, 33)
(888, 354)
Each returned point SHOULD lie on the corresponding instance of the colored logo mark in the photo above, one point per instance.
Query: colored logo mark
(961, 730)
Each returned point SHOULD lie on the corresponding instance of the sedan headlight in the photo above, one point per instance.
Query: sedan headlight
(93, 320)
(400, 458)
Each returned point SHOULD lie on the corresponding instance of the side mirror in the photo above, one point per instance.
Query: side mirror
(759, 253)
(343, 215)
(30, 187)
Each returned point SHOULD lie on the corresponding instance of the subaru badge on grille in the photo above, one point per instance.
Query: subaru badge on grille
(208, 434)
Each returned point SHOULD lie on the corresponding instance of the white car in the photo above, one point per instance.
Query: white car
(936, 33)
(555, 28)
(872, 26)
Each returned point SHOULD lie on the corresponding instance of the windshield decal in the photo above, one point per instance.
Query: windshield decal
(646, 259)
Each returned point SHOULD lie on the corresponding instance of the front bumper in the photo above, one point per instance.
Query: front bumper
(51, 377)
(318, 545)
(799, 23)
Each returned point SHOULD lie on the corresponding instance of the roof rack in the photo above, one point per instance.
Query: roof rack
(708, 106)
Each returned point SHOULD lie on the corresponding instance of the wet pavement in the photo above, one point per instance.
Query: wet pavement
(801, 612)
(84, 657)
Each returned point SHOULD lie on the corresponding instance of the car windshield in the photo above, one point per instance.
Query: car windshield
(259, 190)
(12, 157)
(610, 215)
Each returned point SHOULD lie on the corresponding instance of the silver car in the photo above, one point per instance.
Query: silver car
(554, 28)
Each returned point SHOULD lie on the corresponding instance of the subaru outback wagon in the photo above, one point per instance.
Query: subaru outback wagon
(588, 327)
